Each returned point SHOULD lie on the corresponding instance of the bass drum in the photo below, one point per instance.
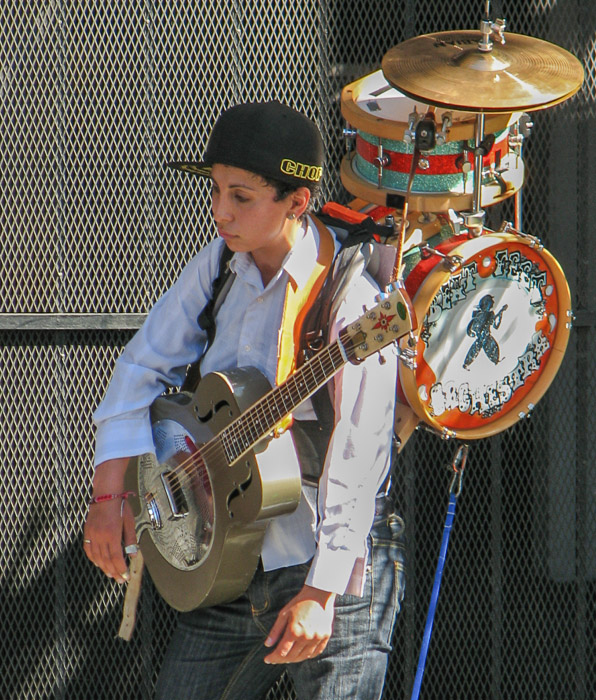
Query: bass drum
(492, 335)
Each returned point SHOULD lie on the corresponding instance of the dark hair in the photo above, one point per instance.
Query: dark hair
(283, 189)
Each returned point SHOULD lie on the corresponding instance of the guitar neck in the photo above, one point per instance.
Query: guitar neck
(263, 416)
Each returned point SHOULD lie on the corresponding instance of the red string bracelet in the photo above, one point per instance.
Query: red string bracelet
(111, 497)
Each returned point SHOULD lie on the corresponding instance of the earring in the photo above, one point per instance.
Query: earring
(291, 216)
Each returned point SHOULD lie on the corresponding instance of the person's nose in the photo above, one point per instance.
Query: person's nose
(221, 210)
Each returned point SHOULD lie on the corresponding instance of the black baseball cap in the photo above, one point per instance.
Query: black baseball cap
(266, 138)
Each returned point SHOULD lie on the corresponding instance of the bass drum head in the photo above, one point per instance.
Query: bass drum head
(492, 335)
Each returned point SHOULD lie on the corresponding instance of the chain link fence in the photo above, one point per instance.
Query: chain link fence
(95, 97)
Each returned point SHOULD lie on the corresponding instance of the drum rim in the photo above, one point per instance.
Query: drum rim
(388, 128)
(407, 378)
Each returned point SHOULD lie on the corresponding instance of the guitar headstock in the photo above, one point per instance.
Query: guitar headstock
(391, 318)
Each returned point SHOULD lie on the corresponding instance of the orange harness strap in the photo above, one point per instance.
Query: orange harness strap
(299, 301)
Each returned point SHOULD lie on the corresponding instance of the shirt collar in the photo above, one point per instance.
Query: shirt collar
(298, 263)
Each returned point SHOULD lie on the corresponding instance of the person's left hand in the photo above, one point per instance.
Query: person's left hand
(303, 627)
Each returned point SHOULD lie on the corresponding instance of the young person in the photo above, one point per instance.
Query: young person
(323, 600)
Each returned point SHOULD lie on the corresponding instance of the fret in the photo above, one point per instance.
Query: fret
(282, 395)
(296, 383)
(230, 445)
(312, 371)
(321, 367)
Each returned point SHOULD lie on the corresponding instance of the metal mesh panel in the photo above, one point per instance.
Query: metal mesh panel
(95, 97)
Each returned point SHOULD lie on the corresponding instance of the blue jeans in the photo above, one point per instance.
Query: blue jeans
(217, 653)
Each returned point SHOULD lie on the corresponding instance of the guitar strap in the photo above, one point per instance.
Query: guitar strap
(299, 301)
(206, 319)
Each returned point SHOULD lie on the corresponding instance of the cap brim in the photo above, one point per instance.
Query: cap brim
(191, 167)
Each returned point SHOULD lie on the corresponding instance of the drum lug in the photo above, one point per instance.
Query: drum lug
(410, 132)
(532, 241)
(444, 434)
(520, 131)
(528, 414)
(452, 262)
(447, 122)
(449, 262)
(570, 319)
(349, 135)
(381, 161)
(474, 221)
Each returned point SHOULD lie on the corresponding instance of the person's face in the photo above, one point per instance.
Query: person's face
(246, 213)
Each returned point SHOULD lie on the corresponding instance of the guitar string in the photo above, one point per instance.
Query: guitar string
(265, 411)
(195, 464)
(251, 421)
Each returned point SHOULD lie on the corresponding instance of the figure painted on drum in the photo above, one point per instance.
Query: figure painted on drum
(483, 319)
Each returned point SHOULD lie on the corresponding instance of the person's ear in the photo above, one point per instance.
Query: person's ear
(299, 200)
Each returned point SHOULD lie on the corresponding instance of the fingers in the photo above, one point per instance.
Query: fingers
(302, 628)
(108, 525)
(277, 629)
(295, 646)
(294, 651)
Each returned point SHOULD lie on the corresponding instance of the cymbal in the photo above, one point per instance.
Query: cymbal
(447, 69)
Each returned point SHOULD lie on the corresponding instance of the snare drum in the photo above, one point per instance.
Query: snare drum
(492, 335)
(444, 178)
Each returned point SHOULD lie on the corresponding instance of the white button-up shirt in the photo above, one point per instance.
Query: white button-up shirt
(330, 525)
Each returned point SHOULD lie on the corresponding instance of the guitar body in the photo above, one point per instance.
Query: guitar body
(201, 514)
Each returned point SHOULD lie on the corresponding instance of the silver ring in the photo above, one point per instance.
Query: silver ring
(131, 548)
(86, 541)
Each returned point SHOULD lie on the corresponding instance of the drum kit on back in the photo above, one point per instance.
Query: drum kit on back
(436, 135)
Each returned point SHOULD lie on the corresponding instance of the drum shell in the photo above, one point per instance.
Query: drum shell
(457, 389)
(444, 178)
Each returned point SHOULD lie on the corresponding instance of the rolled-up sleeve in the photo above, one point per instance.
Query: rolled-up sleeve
(358, 457)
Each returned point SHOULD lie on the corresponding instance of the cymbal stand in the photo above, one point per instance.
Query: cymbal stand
(520, 133)
(474, 219)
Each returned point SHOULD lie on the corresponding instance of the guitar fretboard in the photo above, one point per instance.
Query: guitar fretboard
(242, 434)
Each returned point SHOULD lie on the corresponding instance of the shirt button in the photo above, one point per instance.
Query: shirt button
(260, 300)
(247, 348)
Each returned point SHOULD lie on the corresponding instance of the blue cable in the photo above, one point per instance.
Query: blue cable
(454, 491)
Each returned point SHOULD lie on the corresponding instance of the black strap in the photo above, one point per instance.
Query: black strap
(206, 319)
(359, 232)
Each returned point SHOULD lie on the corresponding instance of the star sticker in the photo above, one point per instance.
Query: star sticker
(383, 321)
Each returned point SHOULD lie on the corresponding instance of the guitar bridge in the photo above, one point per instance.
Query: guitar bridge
(174, 494)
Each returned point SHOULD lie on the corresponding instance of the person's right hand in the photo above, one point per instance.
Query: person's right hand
(110, 524)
